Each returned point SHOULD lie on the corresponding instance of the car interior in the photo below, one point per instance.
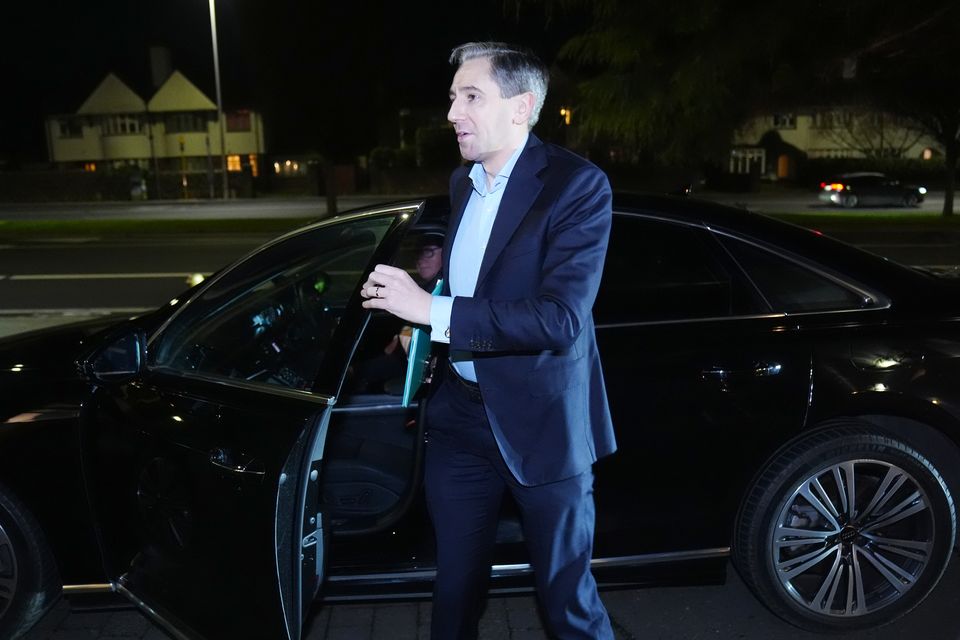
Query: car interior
(373, 459)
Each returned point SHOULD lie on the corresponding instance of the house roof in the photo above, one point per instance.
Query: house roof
(112, 96)
(179, 94)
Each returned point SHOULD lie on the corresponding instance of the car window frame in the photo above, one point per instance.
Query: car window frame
(882, 302)
(878, 301)
(718, 255)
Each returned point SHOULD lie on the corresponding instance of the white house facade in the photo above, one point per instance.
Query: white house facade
(769, 144)
(176, 131)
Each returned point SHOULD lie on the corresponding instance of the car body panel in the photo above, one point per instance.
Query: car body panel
(195, 465)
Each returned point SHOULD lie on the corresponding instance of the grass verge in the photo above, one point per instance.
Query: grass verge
(25, 229)
(871, 219)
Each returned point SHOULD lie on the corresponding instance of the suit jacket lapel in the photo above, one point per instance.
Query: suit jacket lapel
(522, 190)
(459, 199)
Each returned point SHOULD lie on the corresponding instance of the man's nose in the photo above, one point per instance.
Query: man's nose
(453, 115)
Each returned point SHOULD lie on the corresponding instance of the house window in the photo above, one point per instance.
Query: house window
(825, 120)
(233, 163)
(121, 125)
(784, 121)
(70, 128)
(831, 153)
(254, 169)
(748, 160)
(186, 122)
(238, 121)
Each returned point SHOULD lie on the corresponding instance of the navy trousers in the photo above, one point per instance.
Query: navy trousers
(465, 479)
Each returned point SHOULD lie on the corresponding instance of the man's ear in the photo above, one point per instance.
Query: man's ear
(523, 109)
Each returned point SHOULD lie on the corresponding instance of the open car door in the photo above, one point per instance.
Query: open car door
(203, 443)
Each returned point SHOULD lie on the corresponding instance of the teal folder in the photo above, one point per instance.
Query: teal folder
(417, 358)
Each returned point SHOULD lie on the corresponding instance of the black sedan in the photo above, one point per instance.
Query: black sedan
(867, 188)
(778, 397)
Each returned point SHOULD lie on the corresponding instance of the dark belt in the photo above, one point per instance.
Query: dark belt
(470, 388)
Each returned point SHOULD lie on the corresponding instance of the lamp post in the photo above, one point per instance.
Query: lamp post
(216, 79)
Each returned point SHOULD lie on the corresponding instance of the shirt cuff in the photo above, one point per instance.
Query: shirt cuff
(441, 308)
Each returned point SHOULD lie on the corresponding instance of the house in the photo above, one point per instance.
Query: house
(771, 145)
(176, 133)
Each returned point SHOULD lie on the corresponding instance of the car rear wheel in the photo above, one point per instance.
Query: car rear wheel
(28, 583)
(845, 529)
(850, 201)
(910, 200)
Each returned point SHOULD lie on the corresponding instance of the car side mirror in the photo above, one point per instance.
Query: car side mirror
(120, 358)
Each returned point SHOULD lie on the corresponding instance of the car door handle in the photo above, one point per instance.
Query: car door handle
(758, 370)
(226, 460)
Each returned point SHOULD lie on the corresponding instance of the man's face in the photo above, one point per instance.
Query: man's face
(429, 261)
(483, 120)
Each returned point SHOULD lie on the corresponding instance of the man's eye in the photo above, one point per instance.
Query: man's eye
(471, 97)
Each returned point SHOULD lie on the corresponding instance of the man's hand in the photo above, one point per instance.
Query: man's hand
(394, 291)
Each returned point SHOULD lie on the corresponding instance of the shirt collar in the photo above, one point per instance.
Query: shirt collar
(479, 177)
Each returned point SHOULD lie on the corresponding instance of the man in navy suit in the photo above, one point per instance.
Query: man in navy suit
(520, 405)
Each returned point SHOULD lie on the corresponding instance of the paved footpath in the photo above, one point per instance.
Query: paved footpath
(676, 613)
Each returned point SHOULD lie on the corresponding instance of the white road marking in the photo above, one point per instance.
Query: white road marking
(96, 276)
(93, 311)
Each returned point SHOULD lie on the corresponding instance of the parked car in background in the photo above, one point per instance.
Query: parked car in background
(779, 397)
(867, 188)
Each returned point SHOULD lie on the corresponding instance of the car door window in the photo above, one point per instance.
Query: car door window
(792, 287)
(662, 271)
(379, 363)
(269, 319)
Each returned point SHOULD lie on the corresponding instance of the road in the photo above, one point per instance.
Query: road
(70, 275)
(130, 274)
(86, 273)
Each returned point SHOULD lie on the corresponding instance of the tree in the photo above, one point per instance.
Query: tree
(870, 131)
(908, 68)
(676, 78)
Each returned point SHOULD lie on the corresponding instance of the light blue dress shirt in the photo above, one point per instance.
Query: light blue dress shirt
(467, 252)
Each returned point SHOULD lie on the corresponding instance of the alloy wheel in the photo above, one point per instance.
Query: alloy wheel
(8, 572)
(853, 538)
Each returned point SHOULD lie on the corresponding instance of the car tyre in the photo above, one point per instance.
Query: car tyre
(850, 201)
(910, 200)
(826, 566)
(28, 576)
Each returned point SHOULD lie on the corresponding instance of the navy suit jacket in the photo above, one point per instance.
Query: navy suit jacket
(529, 323)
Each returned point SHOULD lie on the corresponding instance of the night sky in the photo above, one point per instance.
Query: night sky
(328, 76)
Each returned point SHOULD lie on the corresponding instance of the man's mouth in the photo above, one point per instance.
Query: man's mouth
(461, 135)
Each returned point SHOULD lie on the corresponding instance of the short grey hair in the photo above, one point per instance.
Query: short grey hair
(515, 70)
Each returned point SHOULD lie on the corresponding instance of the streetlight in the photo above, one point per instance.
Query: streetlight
(216, 79)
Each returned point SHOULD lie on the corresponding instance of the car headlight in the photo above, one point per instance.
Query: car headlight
(922, 190)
